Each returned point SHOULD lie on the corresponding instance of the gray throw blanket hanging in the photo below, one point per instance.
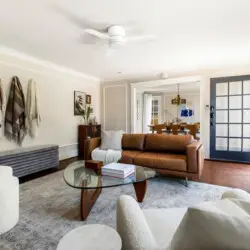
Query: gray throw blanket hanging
(1, 109)
(1, 97)
(15, 113)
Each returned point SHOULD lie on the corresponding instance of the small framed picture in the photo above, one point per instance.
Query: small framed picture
(79, 102)
(88, 99)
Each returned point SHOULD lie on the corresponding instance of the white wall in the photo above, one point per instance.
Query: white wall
(56, 87)
(193, 102)
(139, 112)
(116, 106)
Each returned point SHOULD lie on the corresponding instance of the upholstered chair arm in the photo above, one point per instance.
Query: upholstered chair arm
(195, 157)
(236, 194)
(132, 226)
(89, 145)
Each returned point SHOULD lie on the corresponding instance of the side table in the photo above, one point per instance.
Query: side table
(93, 237)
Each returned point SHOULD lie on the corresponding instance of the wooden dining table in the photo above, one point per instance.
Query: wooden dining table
(181, 128)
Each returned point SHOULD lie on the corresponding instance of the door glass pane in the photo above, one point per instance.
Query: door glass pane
(235, 102)
(234, 116)
(235, 88)
(246, 145)
(222, 89)
(246, 116)
(221, 116)
(234, 144)
(246, 101)
(246, 87)
(221, 102)
(246, 130)
(235, 130)
(221, 130)
(221, 144)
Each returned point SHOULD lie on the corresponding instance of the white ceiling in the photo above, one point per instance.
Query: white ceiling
(188, 87)
(192, 34)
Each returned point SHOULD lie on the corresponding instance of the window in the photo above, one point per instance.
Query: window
(156, 110)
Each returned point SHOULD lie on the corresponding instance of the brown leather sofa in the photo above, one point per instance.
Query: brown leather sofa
(176, 155)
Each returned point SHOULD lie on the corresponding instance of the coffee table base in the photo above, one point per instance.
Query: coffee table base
(140, 190)
(88, 199)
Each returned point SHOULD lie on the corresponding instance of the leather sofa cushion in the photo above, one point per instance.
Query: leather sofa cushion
(128, 156)
(133, 141)
(161, 160)
(167, 143)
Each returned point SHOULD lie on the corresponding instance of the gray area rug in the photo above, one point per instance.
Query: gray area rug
(49, 208)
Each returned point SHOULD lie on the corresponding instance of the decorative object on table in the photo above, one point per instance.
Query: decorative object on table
(1, 108)
(79, 102)
(94, 165)
(15, 128)
(88, 99)
(32, 109)
(95, 236)
(88, 112)
(9, 201)
(118, 170)
(85, 131)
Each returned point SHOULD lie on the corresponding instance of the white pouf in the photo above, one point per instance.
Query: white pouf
(9, 199)
(91, 237)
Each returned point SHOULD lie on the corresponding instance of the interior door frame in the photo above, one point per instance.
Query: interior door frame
(235, 156)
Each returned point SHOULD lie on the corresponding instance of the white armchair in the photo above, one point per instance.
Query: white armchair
(9, 199)
(144, 229)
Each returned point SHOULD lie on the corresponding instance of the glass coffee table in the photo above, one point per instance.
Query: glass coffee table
(91, 183)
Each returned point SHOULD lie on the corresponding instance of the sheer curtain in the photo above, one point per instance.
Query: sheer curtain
(147, 112)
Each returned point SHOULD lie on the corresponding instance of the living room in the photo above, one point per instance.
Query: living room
(124, 125)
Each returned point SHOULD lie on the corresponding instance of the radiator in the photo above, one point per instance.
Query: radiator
(25, 161)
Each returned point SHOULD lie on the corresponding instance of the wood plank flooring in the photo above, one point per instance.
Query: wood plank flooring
(236, 175)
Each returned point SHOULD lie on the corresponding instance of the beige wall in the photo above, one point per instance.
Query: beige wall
(56, 87)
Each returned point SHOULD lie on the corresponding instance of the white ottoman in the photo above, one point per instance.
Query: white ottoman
(9, 199)
(91, 237)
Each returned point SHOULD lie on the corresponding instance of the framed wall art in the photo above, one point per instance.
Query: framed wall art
(88, 99)
(79, 102)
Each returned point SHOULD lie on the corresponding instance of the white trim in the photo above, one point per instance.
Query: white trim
(126, 103)
(44, 63)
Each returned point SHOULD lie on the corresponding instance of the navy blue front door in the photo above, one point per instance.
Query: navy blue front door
(230, 118)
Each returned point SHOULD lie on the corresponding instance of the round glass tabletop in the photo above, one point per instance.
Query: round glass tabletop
(77, 176)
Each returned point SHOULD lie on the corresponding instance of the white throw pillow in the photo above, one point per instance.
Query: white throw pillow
(111, 140)
(226, 226)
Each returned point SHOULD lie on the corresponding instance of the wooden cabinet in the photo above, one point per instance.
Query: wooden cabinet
(85, 131)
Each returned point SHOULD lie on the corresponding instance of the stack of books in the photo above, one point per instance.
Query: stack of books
(118, 170)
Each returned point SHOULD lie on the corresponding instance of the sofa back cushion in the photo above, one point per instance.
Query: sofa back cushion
(133, 141)
(167, 143)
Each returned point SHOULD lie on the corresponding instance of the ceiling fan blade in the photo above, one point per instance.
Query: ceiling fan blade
(96, 33)
(140, 38)
(79, 21)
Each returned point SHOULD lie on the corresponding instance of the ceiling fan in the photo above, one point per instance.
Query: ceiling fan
(115, 36)
(112, 34)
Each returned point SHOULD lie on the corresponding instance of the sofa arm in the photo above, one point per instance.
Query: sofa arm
(89, 145)
(195, 157)
(132, 226)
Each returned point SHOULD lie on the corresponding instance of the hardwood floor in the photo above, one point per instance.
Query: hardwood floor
(228, 174)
